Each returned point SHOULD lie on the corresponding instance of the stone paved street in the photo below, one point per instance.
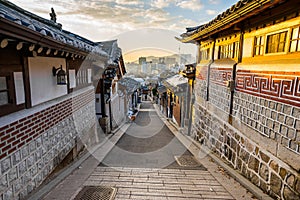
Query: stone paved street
(137, 183)
(139, 161)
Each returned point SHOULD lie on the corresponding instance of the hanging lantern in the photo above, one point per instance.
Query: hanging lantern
(60, 75)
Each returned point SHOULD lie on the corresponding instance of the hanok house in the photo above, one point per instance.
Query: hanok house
(47, 105)
(248, 91)
(110, 101)
(189, 73)
(177, 86)
(130, 88)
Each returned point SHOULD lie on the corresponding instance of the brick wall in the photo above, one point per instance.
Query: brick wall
(34, 145)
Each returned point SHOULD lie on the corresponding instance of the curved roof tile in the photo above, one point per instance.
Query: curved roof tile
(241, 3)
(45, 27)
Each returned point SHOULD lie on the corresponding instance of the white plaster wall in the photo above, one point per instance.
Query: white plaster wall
(43, 85)
(248, 47)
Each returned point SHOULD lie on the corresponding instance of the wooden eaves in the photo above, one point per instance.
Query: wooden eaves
(19, 32)
(230, 18)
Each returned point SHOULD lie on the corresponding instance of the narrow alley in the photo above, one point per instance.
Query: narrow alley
(147, 162)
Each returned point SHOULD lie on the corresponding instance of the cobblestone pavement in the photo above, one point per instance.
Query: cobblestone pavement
(137, 183)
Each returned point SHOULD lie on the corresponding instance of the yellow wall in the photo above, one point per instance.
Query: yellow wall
(283, 61)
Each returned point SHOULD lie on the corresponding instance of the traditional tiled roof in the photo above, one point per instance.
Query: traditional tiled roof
(130, 84)
(177, 83)
(46, 28)
(161, 89)
(233, 15)
(112, 49)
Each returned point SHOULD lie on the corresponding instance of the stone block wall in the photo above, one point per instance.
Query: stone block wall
(261, 138)
(277, 121)
(35, 141)
(269, 102)
(201, 83)
(219, 94)
(257, 164)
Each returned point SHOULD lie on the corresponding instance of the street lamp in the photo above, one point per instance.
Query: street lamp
(60, 74)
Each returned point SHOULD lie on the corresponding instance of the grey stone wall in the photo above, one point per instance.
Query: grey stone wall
(219, 96)
(275, 120)
(201, 89)
(230, 142)
(25, 169)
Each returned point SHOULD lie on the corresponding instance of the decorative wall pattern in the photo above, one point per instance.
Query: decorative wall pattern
(220, 75)
(201, 72)
(279, 86)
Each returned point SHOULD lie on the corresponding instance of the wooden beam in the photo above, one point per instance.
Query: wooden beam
(28, 102)
(22, 33)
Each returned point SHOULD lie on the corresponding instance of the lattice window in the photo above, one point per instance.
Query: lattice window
(229, 50)
(276, 42)
(81, 78)
(259, 45)
(294, 42)
(205, 54)
(4, 92)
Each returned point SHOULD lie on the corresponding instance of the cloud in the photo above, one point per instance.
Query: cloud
(214, 2)
(211, 12)
(129, 2)
(161, 3)
(193, 5)
(100, 20)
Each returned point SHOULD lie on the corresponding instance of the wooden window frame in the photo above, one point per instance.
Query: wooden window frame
(285, 42)
(297, 40)
(82, 78)
(11, 106)
(261, 45)
(205, 54)
(229, 50)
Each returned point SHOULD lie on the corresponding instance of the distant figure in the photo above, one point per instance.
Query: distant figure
(53, 15)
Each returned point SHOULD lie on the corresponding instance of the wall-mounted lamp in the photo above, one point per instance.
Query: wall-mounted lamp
(60, 74)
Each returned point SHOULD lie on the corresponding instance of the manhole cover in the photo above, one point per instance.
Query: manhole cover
(186, 161)
(96, 193)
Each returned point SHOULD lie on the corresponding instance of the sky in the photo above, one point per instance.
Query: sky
(138, 25)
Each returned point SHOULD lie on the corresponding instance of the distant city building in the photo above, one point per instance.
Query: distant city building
(142, 60)
(161, 60)
(170, 60)
(185, 58)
